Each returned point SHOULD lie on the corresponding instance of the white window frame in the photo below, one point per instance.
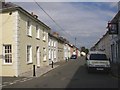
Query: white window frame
(37, 32)
(49, 53)
(29, 28)
(8, 53)
(30, 54)
(49, 41)
(54, 54)
(44, 35)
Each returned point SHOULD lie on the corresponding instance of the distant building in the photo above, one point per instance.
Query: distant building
(66, 51)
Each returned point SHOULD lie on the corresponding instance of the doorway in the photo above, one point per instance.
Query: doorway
(38, 56)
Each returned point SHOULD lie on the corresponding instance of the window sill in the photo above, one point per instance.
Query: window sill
(29, 63)
(44, 40)
(38, 38)
(7, 64)
(29, 36)
(44, 60)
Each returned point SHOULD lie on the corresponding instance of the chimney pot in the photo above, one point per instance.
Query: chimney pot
(35, 16)
(32, 13)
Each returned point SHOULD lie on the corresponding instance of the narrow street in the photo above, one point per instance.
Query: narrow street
(72, 74)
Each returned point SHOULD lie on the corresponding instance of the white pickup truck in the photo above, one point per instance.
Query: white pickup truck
(97, 61)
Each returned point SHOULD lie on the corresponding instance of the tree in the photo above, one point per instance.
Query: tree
(83, 49)
(86, 51)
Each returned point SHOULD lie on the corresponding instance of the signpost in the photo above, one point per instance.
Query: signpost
(113, 28)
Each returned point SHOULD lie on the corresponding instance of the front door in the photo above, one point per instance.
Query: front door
(38, 56)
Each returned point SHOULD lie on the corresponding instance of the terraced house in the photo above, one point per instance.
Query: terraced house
(23, 41)
(103, 44)
(53, 48)
(115, 40)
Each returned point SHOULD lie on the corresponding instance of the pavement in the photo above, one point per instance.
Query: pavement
(29, 75)
(115, 70)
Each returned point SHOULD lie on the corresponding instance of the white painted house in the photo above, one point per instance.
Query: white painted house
(53, 48)
(66, 51)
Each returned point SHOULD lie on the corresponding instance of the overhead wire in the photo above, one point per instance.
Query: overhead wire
(53, 19)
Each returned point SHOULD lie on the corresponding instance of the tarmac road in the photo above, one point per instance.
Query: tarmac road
(72, 74)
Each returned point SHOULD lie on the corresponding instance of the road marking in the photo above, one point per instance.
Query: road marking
(11, 83)
(24, 78)
(16, 81)
(5, 82)
(29, 79)
(4, 85)
(22, 81)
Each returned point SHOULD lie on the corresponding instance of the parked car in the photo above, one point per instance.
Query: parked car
(83, 54)
(73, 57)
(97, 61)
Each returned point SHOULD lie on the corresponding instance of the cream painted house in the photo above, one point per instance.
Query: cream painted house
(115, 40)
(103, 44)
(60, 49)
(23, 41)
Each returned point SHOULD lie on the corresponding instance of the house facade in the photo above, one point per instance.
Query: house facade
(110, 42)
(104, 44)
(60, 49)
(23, 41)
(53, 48)
(66, 51)
(115, 40)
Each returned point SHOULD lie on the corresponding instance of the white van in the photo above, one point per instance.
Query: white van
(98, 61)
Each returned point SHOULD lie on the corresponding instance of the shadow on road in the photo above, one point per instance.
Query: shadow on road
(83, 79)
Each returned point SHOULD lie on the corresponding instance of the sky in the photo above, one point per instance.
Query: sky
(85, 21)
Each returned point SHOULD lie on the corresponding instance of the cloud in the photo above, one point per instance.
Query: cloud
(63, 0)
(85, 21)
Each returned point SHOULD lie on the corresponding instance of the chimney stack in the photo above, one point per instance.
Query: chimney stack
(34, 15)
(55, 34)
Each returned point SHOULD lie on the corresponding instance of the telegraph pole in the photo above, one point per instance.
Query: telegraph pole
(75, 41)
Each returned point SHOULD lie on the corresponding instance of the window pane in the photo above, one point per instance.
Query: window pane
(29, 54)
(98, 57)
(8, 53)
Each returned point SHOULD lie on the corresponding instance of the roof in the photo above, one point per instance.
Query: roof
(58, 38)
(116, 17)
(7, 7)
(51, 35)
(107, 33)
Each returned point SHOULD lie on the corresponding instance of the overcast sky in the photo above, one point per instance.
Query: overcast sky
(86, 21)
